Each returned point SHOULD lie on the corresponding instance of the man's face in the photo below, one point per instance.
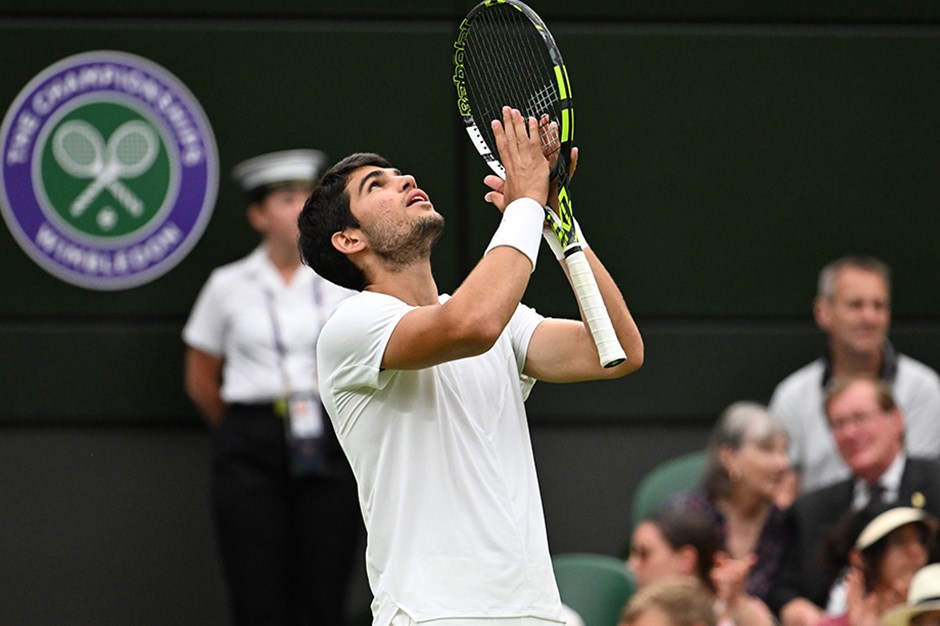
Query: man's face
(396, 216)
(858, 314)
(868, 437)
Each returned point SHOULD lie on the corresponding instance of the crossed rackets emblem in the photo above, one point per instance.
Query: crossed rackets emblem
(81, 151)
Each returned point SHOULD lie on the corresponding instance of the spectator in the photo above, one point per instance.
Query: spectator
(868, 428)
(923, 601)
(878, 549)
(853, 309)
(744, 469)
(672, 542)
(673, 601)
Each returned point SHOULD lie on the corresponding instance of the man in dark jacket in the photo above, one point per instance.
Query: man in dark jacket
(868, 428)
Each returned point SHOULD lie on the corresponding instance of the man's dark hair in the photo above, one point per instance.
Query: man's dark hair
(327, 212)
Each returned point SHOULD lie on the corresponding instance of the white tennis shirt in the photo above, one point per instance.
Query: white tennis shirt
(444, 467)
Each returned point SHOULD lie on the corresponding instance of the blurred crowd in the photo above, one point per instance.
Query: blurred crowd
(820, 508)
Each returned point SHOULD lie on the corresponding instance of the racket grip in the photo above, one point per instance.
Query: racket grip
(592, 303)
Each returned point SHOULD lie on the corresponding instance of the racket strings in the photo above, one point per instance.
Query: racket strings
(507, 63)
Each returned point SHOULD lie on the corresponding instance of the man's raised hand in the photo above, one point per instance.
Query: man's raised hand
(520, 151)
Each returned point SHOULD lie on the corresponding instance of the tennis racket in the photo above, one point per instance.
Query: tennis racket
(504, 55)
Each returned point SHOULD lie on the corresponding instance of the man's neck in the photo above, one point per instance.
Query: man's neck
(412, 285)
(846, 363)
(877, 472)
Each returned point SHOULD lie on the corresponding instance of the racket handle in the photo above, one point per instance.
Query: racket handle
(592, 303)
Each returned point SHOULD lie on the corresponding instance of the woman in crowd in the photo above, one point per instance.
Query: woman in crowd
(672, 542)
(923, 601)
(879, 549)
(744, 471)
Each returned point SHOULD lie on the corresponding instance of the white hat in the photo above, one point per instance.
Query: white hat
(275, 168)
(890, 520)
(923, 596)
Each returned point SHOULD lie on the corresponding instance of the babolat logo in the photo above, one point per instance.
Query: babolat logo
(460, 76)
(110, 170)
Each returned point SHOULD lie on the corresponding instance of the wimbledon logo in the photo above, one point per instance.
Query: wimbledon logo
(110, 170)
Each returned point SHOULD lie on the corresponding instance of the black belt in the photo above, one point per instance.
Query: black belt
(276, 407)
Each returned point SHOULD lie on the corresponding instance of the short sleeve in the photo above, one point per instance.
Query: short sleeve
(205, 328)
(521, 327)
(353, 341)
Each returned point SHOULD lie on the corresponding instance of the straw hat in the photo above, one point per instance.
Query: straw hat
(923, 596)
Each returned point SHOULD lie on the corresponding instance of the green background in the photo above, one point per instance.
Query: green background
(729, 150)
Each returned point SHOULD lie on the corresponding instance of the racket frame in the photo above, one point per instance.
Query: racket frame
(561, 223)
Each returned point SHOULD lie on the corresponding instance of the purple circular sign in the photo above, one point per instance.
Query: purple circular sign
(110, 170)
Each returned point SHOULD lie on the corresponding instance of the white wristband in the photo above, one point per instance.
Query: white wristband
(520, 228)
(555, 246)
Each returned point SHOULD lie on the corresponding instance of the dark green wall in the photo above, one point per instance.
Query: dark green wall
(729, 149)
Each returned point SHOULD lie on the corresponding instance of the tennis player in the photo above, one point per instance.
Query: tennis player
(426, 391)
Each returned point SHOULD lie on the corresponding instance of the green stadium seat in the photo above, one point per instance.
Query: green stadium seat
(676, 474)
(596, 586)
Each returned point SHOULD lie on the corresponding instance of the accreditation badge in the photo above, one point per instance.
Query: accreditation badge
(305, 429)
(305, 415)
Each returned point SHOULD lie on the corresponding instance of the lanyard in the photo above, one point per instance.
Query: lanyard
(280, 348)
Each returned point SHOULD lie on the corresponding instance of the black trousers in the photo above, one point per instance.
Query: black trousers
(287, 544)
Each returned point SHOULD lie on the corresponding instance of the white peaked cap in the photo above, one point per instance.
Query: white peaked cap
(279, 167)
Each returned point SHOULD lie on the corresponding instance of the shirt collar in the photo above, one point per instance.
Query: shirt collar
(263, 270)
(890, 480)
(889, 365)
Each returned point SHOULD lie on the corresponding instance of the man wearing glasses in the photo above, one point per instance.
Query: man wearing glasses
(868, 429)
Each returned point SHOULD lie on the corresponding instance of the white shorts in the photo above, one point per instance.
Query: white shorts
(402, 619)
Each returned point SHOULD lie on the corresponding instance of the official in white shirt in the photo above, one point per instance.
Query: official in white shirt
(283, 496)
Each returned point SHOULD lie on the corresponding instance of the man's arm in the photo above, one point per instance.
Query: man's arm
(471, 321)
(564, 351)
